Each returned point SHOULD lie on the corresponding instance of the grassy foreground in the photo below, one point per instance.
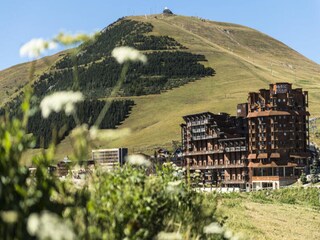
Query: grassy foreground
(283, 214)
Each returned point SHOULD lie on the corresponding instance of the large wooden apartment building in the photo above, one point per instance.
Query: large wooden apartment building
(266, 145)
(278, 137)
(215, 145)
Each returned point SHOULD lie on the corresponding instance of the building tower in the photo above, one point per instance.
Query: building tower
(215, 146)
(278, 136)
(167, 11)
(109, 158)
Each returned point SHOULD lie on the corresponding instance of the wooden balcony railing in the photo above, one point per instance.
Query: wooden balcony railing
(222, 166)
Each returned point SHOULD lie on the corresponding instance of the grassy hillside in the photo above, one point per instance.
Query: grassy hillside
(243, 59)
(13, 79)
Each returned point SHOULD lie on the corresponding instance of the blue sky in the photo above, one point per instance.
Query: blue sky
(294, 22)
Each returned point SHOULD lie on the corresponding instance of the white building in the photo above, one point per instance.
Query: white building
(110, 157)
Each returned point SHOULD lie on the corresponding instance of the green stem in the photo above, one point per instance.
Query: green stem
(27, 92)
(75, 71)
(76, 119)
(188, 173)
(114, 92)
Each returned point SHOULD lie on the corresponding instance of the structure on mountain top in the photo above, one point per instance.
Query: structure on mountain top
(167, 11)
(266, 145)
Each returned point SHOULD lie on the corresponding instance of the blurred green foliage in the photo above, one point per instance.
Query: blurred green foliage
(126, 203)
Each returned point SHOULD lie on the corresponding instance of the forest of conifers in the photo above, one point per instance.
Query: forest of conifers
(169, 65)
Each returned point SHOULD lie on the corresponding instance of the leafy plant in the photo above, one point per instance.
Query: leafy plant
(303, 178)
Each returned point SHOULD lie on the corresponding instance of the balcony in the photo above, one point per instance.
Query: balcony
(235, 149)
(239, 165)
(197, 123)
(203, 152)
(224, 166)
(272, 178)
(220, 150)
(234, 181)
(204, 137)
(198, 130)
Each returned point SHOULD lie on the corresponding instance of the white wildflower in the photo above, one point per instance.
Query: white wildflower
(178, 173)
(48, 225)
(33, 224)
(9, 216)
(94, 132)
(169, 236)
(108, 134)
(167, 164)
(80, 131)
(175, 174)
(174, 184)
(59, 101)
(138, 160)
(234, 238)
(35, 47)
(228, 234)
(213, 228)
(69, 39)
(124, 54)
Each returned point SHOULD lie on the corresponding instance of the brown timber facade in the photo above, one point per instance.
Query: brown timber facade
(266, 145)
(214, 145)
(278, 137)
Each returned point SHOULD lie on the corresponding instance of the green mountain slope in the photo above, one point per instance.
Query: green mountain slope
(169, 66)
(13, 79)
(244, 60)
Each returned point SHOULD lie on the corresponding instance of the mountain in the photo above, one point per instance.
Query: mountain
(13, 79)
(194, 65)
